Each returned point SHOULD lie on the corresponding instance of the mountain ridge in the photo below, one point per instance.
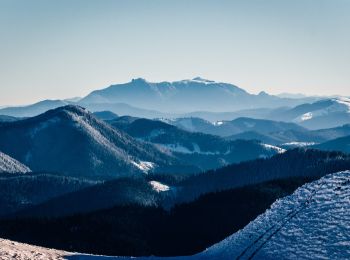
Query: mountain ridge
(177, 96)
(81, 142)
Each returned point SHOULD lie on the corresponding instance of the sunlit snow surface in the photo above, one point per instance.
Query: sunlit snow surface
(299, 144)
(159, 187)
(8, 164)
(306, 116)
(312, 223)
(144, 166)
(274, 148)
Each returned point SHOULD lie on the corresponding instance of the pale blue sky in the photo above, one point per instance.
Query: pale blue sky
(65, 48)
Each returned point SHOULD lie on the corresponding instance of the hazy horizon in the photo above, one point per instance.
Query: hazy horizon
(63, 49)
(296, 95)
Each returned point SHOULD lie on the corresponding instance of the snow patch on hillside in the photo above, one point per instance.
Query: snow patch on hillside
(197, 80)
(178, 148)
(274, 148)
(8, 164)
(299, 144)
(306, 116)
(159, 187)
(144, 166)
(218, 123)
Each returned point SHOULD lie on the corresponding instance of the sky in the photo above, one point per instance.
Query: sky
(60, 49)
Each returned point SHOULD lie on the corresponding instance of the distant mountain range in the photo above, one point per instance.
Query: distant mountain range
(236, 126)
(210, 100)
(283, 134)
(185, 96)
(179, 97)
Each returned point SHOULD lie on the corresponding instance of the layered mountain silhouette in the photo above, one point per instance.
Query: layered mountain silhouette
(233, 127)
(72, 141)
(297, 163)
(339, 144)
(202, 98)
(300, 162)
(145, 99)
(34, 109)
(203, 150)
(295, 138)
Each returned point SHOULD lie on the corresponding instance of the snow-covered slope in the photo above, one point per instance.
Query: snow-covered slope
(8, 164)
(312, 223)
(326, 113)
(19, 251)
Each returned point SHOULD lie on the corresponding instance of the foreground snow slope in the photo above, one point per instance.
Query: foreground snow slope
(312, 223)
(20, 251)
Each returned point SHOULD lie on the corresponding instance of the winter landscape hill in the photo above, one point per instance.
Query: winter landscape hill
(84, 145)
